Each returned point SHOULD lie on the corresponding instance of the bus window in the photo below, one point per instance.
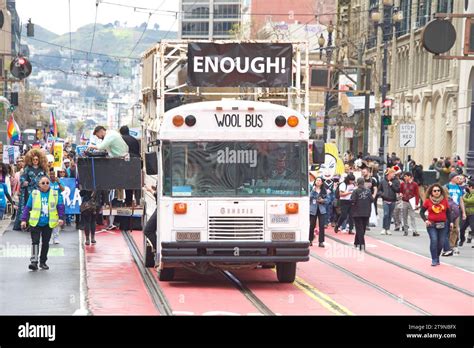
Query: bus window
(206, 169)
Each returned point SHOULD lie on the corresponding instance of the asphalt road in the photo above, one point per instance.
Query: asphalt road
(51, 292)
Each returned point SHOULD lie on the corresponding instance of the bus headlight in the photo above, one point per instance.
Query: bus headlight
(291, 208)
(180, 208)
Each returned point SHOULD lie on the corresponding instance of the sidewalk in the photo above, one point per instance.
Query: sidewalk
(51, 292)
(421, 245)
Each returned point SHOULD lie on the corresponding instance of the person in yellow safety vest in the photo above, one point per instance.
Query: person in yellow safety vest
(43, 211)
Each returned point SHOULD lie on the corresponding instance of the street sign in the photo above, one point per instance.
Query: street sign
(407, 135)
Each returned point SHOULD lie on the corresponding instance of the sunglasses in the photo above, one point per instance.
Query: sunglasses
(44, 183)
(35, 159)
(436, 190)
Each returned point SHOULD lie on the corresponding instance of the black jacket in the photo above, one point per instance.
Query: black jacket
(133, 145)
(361, 202)
(387, 192)
(418, 174)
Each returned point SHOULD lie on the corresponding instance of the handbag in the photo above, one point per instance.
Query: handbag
(89, 206)
(440, 225)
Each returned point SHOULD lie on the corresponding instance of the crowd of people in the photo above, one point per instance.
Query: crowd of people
(32, 186)
(446, 205)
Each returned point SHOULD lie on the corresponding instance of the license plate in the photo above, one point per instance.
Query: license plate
(279, 219)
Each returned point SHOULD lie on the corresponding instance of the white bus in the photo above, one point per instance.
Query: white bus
(232, 188)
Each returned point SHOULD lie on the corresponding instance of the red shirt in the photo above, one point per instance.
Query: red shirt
(436, 212)
(409, 190)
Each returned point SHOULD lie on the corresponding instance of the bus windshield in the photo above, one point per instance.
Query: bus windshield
(219, 169)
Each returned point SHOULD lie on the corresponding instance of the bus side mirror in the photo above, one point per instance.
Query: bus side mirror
(151, 163)
(318, 152)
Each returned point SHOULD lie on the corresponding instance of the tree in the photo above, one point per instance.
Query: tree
(143, 26)
(117, 24)
(156, 27)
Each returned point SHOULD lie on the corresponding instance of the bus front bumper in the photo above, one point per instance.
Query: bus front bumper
(234, 252)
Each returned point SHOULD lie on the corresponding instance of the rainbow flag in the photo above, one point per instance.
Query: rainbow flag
(13, 131)
(53, 127)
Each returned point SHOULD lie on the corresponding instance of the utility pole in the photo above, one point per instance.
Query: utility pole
(368, 88)
(386, 21)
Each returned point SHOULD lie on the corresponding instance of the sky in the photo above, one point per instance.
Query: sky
(54, 14)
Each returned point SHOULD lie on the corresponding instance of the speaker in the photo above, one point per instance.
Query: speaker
(429, 177)
(109, 173)
(318, 152)
(151, 163)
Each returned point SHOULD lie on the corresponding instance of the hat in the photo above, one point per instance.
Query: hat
(397, 169)
(390, 171)
(67, 160)
(452, 175)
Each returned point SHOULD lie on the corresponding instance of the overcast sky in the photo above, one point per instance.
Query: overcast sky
(54, 14)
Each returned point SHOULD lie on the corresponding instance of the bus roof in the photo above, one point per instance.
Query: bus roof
(233, 120)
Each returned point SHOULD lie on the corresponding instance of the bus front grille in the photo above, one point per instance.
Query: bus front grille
(236, 228)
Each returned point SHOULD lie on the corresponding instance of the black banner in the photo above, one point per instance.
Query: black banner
(240, 65)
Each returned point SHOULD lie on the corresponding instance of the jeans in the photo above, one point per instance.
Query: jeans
(2, 212)
(437, 239)
(469, 222)
(346, 206)
(388, 208)
(329, 208)
(44, 233)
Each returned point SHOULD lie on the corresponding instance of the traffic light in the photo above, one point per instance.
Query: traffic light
(30, 29)
(20, 67)
(387, 112)
(14, 98)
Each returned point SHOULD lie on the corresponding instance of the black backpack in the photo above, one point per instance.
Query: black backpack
(338, 193)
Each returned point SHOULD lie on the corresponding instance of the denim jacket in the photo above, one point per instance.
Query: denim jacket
(314, 206)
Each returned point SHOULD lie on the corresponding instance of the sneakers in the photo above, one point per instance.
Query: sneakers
(448, 253)
(456, 251)
(469, 240)
(415, 234)
(33, 266)
(405, 233)
(93, 241)
(383, 232)
(389, 233)
(88, 242)
(55, 240)
(321, 245)
(43, 265)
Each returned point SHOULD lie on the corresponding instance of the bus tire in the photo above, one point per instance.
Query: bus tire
(286, 272)
(149, 256)
(166, 274)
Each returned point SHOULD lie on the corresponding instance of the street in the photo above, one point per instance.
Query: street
(338, 280)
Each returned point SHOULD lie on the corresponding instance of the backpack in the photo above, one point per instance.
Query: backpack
(454, 209)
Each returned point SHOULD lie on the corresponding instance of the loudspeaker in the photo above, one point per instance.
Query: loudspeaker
(429, 177)
(318, 152)
(109, 173)
(151, 163)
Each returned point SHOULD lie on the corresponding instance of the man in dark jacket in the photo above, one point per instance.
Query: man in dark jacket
(388, 189)
(417, 171)
(134, 150)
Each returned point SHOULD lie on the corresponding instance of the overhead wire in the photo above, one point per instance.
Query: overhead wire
(70, 35)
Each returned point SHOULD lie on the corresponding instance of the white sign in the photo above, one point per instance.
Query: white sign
(407, 135)
(359, 102)
(349, 132)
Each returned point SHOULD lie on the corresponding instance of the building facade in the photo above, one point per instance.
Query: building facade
(425, 91)
(210, 19)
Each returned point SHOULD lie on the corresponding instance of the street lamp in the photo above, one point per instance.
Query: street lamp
(329, 48)
(391, 16)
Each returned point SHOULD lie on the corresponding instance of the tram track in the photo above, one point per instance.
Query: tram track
(156, 292)
(247, 293)
(397, 264)
(371, 284)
